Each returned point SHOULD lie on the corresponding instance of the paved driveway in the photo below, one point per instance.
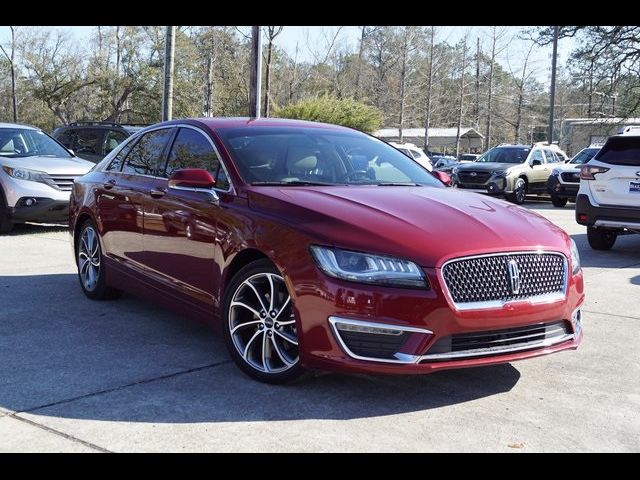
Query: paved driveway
(128, 376)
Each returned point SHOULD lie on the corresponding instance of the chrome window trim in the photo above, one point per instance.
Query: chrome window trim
(402, 358)
(496, 304)
(230, 190)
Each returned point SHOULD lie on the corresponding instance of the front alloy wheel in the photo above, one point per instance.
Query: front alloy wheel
(519, 192)
(260, 326)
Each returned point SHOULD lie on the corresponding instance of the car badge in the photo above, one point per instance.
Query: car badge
(514, 276)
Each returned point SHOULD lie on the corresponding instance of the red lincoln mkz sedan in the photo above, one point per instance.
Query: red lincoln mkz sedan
(314, 246)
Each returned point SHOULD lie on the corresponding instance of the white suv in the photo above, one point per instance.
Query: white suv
(36, 176)
(412, 151)
(608, 201)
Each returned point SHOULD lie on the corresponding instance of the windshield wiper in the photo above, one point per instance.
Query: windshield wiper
(399, 184)
(294, 183)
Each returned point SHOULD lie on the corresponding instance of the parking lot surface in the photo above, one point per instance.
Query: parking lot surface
(126, 375)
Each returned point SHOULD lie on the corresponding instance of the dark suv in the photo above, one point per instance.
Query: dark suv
(94, 140)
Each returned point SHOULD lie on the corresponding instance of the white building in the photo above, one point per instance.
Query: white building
(440, 139)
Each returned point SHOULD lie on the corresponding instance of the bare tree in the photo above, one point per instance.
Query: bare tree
(271, 32)
(408, 46)
(496, 36)
(463, 67)
(12, 66)
(429, 89)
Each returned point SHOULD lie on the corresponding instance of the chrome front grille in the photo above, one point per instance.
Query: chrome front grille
(491, 280)
(61, 182)
(476, 178)
(570, 177)
(494, 342)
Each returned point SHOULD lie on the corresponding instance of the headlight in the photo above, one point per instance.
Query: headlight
(575, 258)
(368, 268)
(499, 173)
(555, 172)
(25, 174)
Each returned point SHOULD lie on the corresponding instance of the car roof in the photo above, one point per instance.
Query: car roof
(17, 125)
(236, 122)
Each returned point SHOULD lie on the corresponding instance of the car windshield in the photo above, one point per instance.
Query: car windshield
(505, 155)
(22, 142)
(583, 156)
(319, 156)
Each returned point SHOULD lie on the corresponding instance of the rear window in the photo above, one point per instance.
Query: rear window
(620, 151)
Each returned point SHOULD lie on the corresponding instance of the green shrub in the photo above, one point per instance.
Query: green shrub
(348, 113)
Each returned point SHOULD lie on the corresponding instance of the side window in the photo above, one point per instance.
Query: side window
(144, 156)
(118, 160)
(88, 141)
(537, 155)
(551, 156)
(415, 154)
(191, 149)
(112, 139)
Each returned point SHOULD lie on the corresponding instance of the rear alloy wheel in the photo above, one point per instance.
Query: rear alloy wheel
(519, 192)
(91, 270)
(558, 201)
(600, 238)
(259, 324)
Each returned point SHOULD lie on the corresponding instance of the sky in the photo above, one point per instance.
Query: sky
(311, 40)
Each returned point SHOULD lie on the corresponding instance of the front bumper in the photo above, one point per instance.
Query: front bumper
(44, 210)
(560, 189)
(494, 186)
(606, 217)
(422, 318)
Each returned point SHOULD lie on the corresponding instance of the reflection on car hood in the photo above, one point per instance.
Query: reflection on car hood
(485, 166)
(425, 224)
(567, 167)
(51, 165)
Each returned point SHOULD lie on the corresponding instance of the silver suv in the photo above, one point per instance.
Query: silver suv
(36, 176)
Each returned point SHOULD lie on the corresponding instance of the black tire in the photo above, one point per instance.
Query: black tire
(558, 201)
(519, 192)
(6, 225)
(246, 336)
(601, 238)
(97, 290)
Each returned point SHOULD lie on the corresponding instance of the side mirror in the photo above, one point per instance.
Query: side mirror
(443, 177)
(191, 178)
(536, 162)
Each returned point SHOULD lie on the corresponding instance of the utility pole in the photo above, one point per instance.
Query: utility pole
(167, 97)
(256, 73)
(477, 105)
(553, 83)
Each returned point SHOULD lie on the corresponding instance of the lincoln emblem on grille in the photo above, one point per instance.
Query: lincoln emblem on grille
(514, 276)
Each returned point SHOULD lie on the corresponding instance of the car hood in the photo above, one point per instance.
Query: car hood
(428, 225)
(50, 165)
(486, 166)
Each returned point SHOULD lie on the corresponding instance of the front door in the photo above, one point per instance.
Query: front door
(539, 171)
(181, 224)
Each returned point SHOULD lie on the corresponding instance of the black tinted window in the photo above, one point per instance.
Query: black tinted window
(65, 137)
(620, 151)
(88, 141)
(112, 139)
(144, 156)
(191, 149)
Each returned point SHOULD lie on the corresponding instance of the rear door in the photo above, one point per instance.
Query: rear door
(620, 185)
(130, 194)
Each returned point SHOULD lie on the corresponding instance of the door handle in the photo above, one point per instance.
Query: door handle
(109, 184)
(157, 193)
